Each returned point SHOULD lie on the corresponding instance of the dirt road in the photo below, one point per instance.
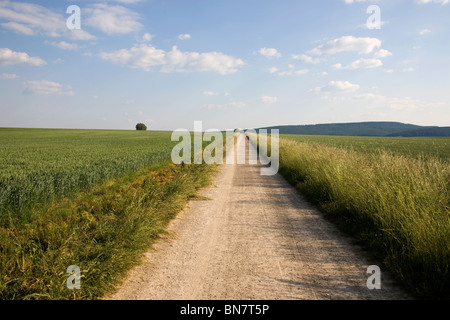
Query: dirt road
(256, 238)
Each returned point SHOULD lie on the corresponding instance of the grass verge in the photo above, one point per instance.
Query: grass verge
(103, 230)
(397, 207)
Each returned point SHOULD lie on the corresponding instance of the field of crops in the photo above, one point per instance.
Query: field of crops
(92, 198)
(391, 194)
(413, 147)
(41, 165)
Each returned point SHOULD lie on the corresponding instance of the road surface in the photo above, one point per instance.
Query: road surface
(255, 238)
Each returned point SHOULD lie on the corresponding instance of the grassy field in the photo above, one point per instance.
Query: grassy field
(91, 198)
(393, 201)
(41, 165)
(413, 147)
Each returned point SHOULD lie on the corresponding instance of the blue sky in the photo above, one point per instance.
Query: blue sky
(227, 63)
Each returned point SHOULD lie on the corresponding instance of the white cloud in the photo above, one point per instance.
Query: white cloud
(431, 1)
(142, 56)
(424, 31)
(289, 72)
(210, 93)
(31, 19)
(346, 44)
(364, 63)
(184, 36)
(19, 28)
(147, 37)
(26, 16)
(269, 52)
(371, 96)
(65, 45)
(383, 53)
(273, 70)
(80, 35)
(8, 76)
(236, 104)
(45, 87)
(145, 56)
(293, 72)
(9, 57)
(306, 58)
(360, 64)
(269, 99)
(337, 87)
(111, 19)
(408, 69)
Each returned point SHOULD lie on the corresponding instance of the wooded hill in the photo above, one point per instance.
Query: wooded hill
(369, 129)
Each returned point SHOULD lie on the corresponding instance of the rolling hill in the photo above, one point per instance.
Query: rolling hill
(369, 129)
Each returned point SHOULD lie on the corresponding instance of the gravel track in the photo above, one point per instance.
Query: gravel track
(255, 238)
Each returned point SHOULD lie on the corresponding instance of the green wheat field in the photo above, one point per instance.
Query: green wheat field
(98, 198)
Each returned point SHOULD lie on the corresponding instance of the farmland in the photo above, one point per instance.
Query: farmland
(99, 198)
(391, 194)
(412, 147)
(93, 198)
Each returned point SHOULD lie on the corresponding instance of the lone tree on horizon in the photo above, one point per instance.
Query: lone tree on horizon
(141, 126)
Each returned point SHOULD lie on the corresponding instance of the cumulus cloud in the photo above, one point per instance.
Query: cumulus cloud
(360, 64)
(147, 37)
(293, 72)
(431, 1)
(45, 87)
(273, 70)
(184, 36)
(362, 45)
(65, 45)
(337, 87)
(8, 76)
(10, 57)
(269, 99)
(269, 52)
(347, 44)
(18, 28)
(112, 19)
(424, 31)
(364, 63)
(210, 93)
(31, 19)
(146, 56)
(383, 53)
(306, 58)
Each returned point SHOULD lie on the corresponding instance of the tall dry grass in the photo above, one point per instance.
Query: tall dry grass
(396, 206)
